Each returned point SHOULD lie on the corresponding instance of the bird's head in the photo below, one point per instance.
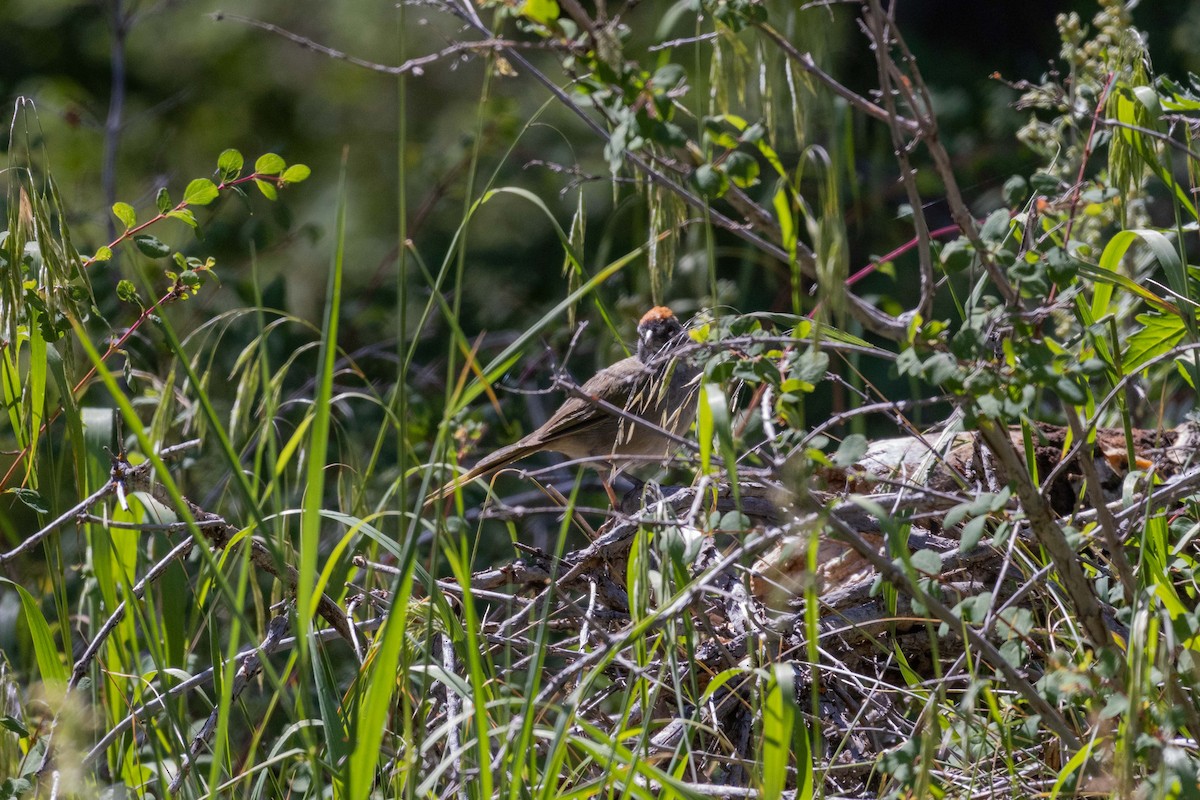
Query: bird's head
(658, 329)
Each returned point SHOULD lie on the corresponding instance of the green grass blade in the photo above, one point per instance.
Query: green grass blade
(318, 449)
(54, 672)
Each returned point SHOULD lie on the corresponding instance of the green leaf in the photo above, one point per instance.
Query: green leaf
(1015, 190)
(185, 216)
(267, 188)
(543, 12)
(127, 292)
(742, 169)
(163, 200)
(269, 164)
(200, 192)
(125, 213)
(710, 181)
(229, 164)
(852, 448)
(972, 533)
(103, 254)
(31, 498)
(957, 254)
(151, 246)
(668, 76)
(15, 787)
(15, 725)
(996, 227)
(1070, 391)
(927, 561)
(296, 173)
(1158, 334)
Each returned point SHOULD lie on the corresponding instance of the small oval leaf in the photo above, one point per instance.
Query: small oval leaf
(151, 246)
(125, 213)
(269, 164)
(185, 216)
(296, 173)
(200, 192)
(230, 163)
(268, 189)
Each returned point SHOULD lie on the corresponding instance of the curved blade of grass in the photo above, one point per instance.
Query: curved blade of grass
(479, 672)
(318, 448)
(54, 672)
(1073, 765)
(1103, 276)
(714, 418)
(181, 507)
(1110, 261)
(496, 367)
(778, 717)
(525, 194)
(602, 748)
(37, 394)
(378, 676)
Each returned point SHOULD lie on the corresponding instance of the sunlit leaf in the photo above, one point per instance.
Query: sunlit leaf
(269, 164)
(125, 213)
(296, 173)
(229, 164)
(200, 192)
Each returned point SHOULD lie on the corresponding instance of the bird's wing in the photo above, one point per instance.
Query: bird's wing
(580, 411)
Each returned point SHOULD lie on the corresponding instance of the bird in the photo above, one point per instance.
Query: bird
(619, 414)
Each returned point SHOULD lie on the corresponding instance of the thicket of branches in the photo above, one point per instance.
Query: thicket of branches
(228, 582)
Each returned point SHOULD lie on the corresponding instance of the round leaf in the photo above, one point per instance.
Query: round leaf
(200, 192)
(296, 173)
(269, 164)
(710, 181)
(230, 164)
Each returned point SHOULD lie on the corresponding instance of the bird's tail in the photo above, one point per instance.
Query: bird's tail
(489, 463)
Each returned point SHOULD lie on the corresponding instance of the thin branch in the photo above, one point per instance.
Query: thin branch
(1051, 537)
(62, 519)
(413, 65)
(806, 62)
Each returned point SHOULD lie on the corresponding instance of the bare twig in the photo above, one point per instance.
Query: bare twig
(62, 519)
(806, 63)
(897, 576)
(1050, 535)
(250, 665)
(413, 65)
(911, 86)
(1108, 525)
